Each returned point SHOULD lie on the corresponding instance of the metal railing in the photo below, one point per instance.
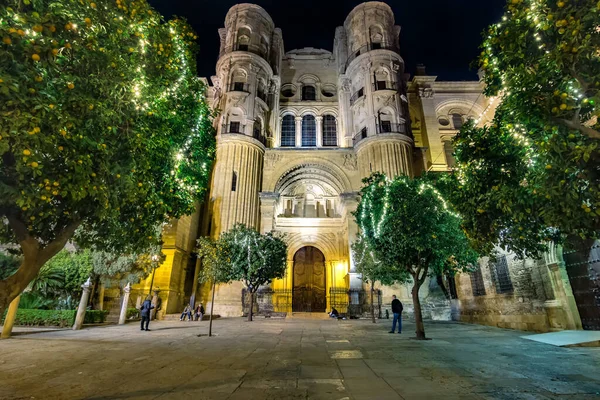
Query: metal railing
(385, 85)
(388, 127)
(349, 302)
(359, 93)
(381, 128)
(363, 134)
(369, 47)
(239, 87)
(250, 48)
(233, 128)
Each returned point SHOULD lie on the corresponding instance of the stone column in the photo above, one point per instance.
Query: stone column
(350, 201)
(123, 315)
(267, 210)
(101, 296)
(155, 304)
(85, 296)
(9, 321)
(430, 131)
(319, 121)
(195, 283)
(298, 131)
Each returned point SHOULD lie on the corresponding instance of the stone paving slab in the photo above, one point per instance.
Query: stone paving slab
(293, 359)
(568, 338)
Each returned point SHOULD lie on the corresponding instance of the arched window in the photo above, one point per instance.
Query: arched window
(234, 181)
(309, 93)
(309, 131)
(376, 36)
(288, 131)
(329, 131)
(457, 120)
(243, 39)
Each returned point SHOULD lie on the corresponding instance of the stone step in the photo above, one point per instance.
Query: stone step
(175, 317)
(308, 315)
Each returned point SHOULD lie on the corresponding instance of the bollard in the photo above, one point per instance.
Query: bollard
(85, 296)
(123, 315)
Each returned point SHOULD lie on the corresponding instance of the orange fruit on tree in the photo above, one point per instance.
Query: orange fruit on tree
(54, 52)
(35, 57)
(26, 152)
(71, 86)
(7, 40)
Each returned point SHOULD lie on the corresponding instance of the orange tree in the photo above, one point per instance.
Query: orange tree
(410, 232)
(105, 133)
(532, 174)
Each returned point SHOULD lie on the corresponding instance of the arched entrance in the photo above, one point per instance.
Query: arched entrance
(308, 293)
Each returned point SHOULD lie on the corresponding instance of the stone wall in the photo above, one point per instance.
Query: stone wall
(524, 308)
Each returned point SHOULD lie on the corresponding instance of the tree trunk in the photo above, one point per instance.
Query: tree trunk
(34, 258)
(372, 303)
(420, 328)
(440, 282)
(251, 305)
(212, 306)
(14, 285)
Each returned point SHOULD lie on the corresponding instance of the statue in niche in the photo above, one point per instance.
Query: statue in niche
(350, 162)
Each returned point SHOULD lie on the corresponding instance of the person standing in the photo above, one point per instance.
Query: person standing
(145, 312)
(397, 311)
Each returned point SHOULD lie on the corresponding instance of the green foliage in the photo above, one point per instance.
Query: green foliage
(215, 261)
(123, 268)
(410, 231)
(533, 174)
(8, 265)
(95, 316)
(133, 313)
(254, 259)
(50, 281)
(36, 301)
(61, 318)
(77, 267)
(105, 122)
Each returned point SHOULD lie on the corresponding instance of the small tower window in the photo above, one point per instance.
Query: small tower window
(457, 120)
(234, 127)
(309, 93)
(234, 179)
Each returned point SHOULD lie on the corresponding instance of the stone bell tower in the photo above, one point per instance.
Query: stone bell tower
(247, 90)
(372, 73)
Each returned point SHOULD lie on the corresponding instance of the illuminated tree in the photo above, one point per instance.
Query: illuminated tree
(105, 130)
(533, 173)
(412, 233)
(254, 259)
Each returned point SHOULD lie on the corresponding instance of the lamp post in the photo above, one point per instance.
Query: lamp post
(155, 259)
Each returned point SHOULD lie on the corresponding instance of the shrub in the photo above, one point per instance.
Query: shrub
(59, 318)
(133, 313)
(95, 316)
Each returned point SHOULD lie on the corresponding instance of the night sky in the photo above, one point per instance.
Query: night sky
(442, 34)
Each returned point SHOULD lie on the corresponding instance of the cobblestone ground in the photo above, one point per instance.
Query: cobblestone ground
(293, 359)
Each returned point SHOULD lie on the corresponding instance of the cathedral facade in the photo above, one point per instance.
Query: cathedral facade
(296, 134)
(299, 130)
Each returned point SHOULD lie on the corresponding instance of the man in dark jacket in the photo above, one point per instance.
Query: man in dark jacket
(145, 312)
(397, 310)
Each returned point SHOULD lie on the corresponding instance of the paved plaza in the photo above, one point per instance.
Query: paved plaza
(293, 359)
